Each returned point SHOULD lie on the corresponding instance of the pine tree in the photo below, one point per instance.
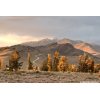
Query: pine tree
(56, 60)
(90, 64)
(44, 65)
(30, 65)
(86, 63)
(49, 62)
(63, 64)
(14, 63)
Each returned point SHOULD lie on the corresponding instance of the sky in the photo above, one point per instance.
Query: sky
(16, 30)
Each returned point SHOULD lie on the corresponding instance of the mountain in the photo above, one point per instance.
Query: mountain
(78, 44)
(39, 53)
(87, 48)
(96, 47)
(90, 48)
(42, 42)
(73, 42)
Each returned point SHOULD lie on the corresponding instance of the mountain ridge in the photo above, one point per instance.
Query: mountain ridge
(78, 44)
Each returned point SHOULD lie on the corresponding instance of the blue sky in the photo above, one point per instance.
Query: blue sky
(15, 30)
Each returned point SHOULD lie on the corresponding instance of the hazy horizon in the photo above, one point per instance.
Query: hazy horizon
(16, 30)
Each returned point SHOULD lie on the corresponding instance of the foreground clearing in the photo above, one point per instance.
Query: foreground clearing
(48, 77)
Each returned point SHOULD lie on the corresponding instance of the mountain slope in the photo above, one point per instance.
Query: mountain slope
(92, 49)
(43, 42)
(86, 47)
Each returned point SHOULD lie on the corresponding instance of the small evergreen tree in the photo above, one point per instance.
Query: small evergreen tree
(30, 65)
(44, 65)
(56, 60)
(63, 64)
(49, 62)
(14, 63)
(86, 63)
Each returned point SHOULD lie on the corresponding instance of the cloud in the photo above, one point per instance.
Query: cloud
(13, 38)
(81, 28)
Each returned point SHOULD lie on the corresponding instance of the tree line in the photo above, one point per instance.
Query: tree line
(60, 63)
(54, 62)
